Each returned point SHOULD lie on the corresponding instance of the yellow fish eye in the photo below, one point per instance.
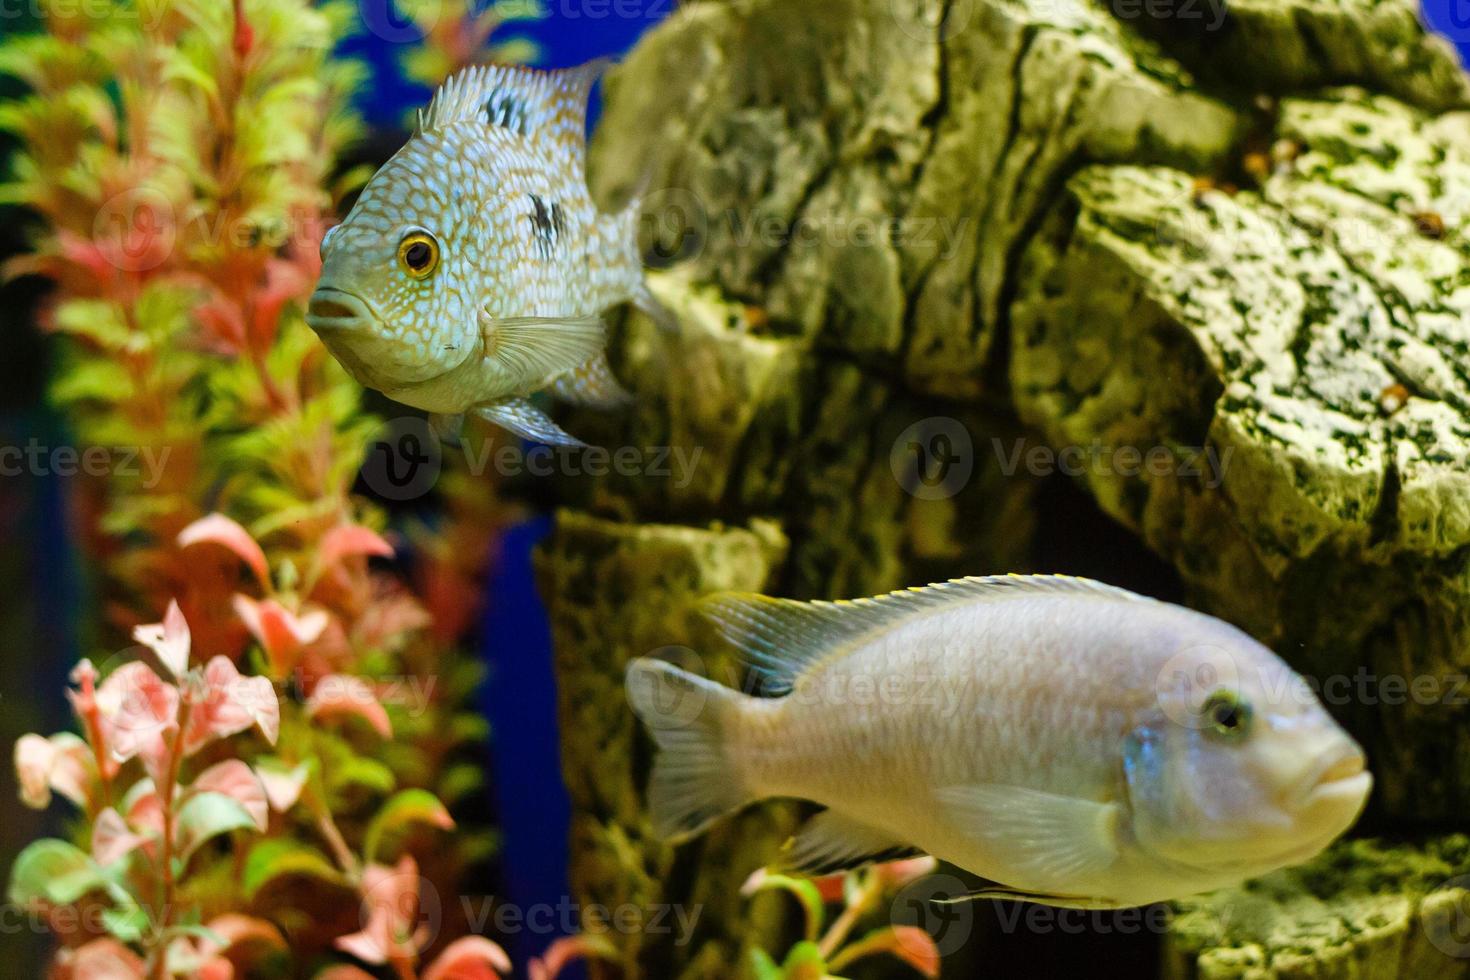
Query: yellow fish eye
(418, 253)
(1226, 714)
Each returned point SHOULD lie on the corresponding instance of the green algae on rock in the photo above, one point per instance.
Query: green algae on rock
(1362, 909)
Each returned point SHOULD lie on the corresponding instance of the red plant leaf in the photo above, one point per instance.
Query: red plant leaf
(230, 703)
(221, 530)
(469, 958)
(391, 900)
(238, 781)
(241, 930)
(280, 632)
(112, 838)
(347, 540)
(908, 943)
(100, 959)
(343, 695)
(62, 763)
(168, 639)
(138, 712)
(569, 948)
(282, 786)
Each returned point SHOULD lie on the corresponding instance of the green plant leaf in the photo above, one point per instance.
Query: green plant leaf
(279, 856)
(408, 807)
(53, 871)
(359, 771)
(126, 922)
(205, 816)
(762, 967)
(805, 891)
(804, 962)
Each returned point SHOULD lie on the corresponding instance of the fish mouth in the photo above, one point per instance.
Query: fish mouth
(1340, 778)
(335, 309)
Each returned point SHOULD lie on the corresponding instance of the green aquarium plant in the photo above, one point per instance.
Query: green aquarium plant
(253, 783)
(827, 948)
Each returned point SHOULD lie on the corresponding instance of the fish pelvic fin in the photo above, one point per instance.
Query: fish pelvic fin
(1045, 836)
(831, 842)
(519, 417)
(695, 781)
(592, 385)
(784, 640)
(1001, 893)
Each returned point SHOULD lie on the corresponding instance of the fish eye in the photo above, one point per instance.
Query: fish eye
(418, 253)
(1226, 714)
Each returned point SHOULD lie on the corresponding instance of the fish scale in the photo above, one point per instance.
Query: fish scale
(518, 263)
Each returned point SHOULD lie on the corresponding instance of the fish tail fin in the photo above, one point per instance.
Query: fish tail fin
(695, 781)
(631, 285)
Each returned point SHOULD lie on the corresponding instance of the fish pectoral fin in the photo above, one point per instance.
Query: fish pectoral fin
(998, 892)
(519, 417)
(530, 349)
(1042, 835)
(447, 427)
(831, 842)
(592, 385)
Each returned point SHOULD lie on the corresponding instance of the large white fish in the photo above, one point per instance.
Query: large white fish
(1070, 742)
(474, 267)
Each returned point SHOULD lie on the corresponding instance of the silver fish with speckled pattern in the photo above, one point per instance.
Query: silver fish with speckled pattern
(473, 270)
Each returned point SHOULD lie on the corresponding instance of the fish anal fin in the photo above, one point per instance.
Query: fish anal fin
(831, 842)
(1043, 836)
(592, 385)
(519, 417)
(784, 639)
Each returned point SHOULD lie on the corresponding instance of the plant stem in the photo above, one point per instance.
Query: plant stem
(338, 844)
(872, 888)
(166, 846)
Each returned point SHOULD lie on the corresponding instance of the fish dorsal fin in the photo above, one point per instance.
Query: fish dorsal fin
(538, 104)
(783, 639)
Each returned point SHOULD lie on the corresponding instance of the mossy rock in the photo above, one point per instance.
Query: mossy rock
(895, 227)
(1364, 910)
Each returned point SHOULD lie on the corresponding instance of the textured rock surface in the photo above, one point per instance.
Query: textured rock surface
(1363, 909)
(882, 214)
(1314, 336)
